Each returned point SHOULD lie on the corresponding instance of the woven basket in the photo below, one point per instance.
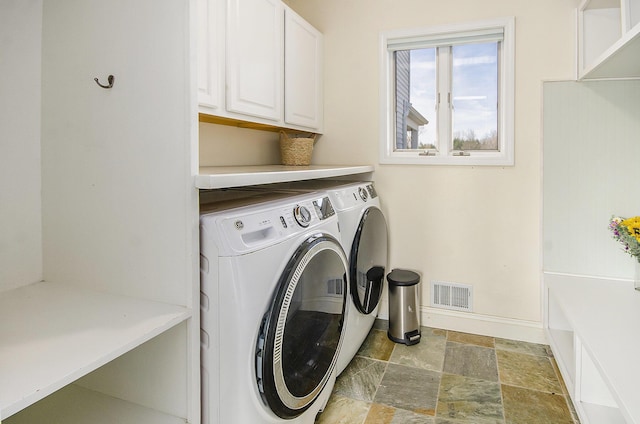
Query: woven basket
(296, 150)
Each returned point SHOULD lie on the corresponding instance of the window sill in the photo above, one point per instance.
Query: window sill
(472, 160)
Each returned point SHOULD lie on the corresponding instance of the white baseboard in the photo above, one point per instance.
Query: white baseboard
(469, 322)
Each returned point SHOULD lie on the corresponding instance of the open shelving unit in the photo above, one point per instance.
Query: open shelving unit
(609, 39)
(591, 325)
(107, 329)
(59, 333)
(81, 405)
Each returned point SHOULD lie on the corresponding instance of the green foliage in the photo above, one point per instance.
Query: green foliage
(467, 140)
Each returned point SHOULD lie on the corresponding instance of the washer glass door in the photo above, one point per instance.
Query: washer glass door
(368, 259)
(300, 335)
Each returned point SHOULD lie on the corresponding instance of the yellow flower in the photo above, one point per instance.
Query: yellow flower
(633, 225)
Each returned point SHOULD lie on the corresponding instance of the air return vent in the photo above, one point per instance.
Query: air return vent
(334, 286)
(451, 296)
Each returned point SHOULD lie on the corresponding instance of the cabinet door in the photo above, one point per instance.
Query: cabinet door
(211, 54)
(255, 58)
(303, 73)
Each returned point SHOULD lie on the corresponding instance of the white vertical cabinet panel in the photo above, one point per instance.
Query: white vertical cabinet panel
(142, 366)
(119, 207)
(255, 58)
(116, 162)
(211, 39)
(303, 52)
(633, 13)
(20, 217)
(600, 28)
(590, 135)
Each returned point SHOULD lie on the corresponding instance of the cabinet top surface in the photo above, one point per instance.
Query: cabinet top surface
(236, 176)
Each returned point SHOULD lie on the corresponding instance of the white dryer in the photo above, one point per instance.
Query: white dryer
(273, 302)
(364, 238)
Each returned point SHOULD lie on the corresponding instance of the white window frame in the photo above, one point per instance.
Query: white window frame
(410, 38)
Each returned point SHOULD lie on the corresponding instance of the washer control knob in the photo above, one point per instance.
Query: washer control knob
(302, 215)
(363, 193)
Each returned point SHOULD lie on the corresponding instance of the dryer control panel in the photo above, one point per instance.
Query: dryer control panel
(372, 191)
(354, 195)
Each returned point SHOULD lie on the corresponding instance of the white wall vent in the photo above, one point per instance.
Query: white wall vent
(334, 286)
(452, 296)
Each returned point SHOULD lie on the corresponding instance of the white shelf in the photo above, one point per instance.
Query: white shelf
(621, 60)
(562, 340)
(609, 39)
(602, 414)
(52, 334)
(603, 315)
(236, 176)
(76, 405)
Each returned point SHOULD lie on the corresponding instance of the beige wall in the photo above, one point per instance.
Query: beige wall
(224, 145)
(482, 227)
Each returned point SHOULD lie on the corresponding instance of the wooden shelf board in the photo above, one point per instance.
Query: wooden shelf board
(233, 122)
(212, 119)
(52, 334)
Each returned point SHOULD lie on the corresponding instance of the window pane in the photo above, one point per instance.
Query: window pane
(475, 96)
(415, 99)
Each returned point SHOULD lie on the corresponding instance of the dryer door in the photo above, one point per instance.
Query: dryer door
(301, 334)
(368, 259)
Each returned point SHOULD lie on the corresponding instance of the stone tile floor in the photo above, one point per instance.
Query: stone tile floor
(449, 378)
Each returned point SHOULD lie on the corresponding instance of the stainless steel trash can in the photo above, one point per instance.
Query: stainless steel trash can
(404, 306)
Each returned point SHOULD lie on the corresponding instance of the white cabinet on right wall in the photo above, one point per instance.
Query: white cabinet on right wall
(262, 64)
(609, 39)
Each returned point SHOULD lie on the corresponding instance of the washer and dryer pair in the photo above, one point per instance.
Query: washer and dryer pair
(278, 320)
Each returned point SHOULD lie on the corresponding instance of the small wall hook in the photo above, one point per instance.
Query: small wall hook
(110, 79)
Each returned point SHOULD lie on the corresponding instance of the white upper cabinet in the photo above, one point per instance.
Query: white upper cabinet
(254, 58)
(609, 39)
(303, 99)
(211, 16)
(259, 62)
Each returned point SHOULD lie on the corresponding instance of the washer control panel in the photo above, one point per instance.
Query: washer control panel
(254, 227)
(302, 215)
(324, 208)
(364, 194)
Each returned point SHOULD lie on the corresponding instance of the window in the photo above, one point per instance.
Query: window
(448, 94)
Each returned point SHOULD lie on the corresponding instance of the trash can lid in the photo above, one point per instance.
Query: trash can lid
(403, 277)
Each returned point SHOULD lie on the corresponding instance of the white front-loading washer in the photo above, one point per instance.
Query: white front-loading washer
(273, 302)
